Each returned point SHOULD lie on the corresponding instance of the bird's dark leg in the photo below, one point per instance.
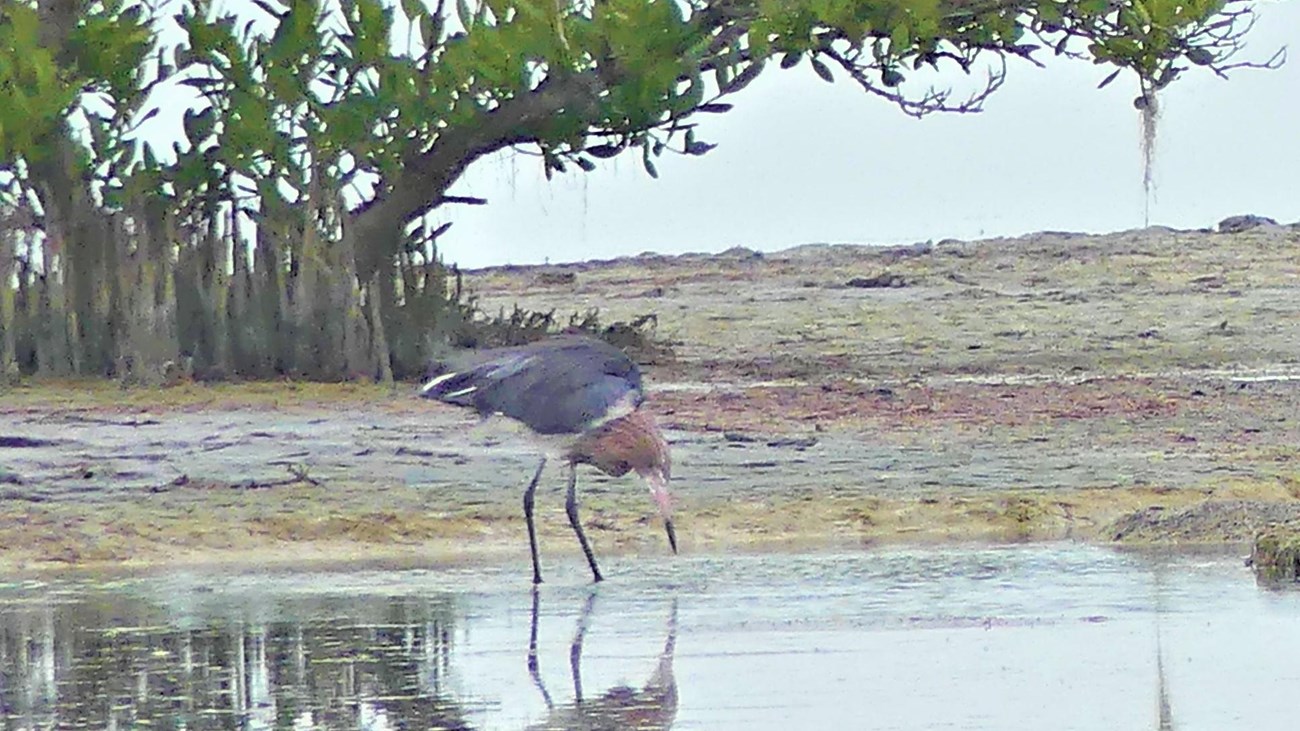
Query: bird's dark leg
(571, 507)
(528, 518)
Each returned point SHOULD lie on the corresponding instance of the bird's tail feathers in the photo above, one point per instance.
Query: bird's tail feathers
(453, 387)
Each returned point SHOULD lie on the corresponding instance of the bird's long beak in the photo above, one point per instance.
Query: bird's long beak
(659, 490)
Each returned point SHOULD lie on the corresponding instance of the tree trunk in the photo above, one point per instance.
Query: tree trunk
(8, 310)
(379, 351)
(309, 335)
(218, 296)
(148, 350)
(358, 345)
(123, 273)
(273, 266)
(244, 335)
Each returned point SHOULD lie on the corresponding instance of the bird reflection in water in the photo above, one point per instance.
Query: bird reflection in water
(654, 706)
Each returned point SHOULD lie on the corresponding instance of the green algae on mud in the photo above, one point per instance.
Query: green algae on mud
(340, 522)
(1139, 387)
(1275, 555)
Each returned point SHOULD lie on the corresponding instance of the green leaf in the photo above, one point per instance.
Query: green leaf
(603, 151)
(1094, 8)
(722, 76)
(413, 9)
(690, 98)
(198, 125)
(698, 148)
(900, 39)
(822, 70)
(743, 79)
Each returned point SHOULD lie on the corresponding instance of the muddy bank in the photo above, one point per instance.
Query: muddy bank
(1141, 386)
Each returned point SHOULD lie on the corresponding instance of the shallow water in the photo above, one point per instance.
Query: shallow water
(1029, 637)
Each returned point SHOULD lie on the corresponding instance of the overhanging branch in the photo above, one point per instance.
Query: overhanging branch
(426, 176)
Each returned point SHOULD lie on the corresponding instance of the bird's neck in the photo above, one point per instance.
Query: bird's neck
(630, 442)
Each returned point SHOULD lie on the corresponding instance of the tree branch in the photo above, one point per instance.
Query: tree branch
(426, 176)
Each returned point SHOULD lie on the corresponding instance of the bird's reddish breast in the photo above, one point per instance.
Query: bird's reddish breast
(632, 442)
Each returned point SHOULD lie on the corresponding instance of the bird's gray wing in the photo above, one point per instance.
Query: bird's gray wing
(459, 379)
(558, 386)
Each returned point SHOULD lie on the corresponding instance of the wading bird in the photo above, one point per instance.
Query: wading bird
(581, 398)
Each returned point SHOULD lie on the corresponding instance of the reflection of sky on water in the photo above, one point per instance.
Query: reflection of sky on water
(1028, 637)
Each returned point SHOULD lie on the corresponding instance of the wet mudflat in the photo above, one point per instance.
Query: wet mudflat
(253, 474)
(1141, 386)
(1028, 637)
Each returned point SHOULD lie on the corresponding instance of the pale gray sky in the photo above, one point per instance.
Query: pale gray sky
(803, 161)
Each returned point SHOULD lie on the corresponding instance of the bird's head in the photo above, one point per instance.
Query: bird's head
(657, 470)
(633, 443)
